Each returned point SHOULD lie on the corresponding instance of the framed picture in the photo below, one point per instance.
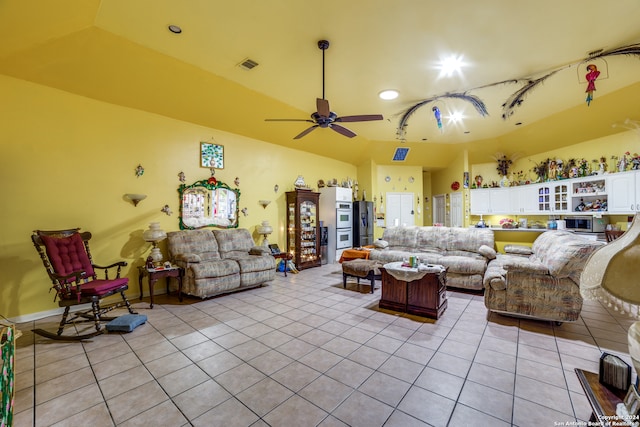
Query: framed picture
(211, 155)
(274, 249)
(632, 401)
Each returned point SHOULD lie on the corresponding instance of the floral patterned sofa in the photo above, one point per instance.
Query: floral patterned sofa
(542, 281)
(219, 261)
(465, 252)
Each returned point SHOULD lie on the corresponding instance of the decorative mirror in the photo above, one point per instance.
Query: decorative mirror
(208, 203)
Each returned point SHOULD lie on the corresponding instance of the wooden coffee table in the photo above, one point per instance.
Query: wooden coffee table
(425, 296)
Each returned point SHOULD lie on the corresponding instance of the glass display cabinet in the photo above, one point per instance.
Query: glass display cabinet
(303, 228)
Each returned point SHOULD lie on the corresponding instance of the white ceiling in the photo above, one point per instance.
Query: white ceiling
(375, 45)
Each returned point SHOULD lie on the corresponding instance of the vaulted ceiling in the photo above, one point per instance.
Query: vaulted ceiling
(122, 52)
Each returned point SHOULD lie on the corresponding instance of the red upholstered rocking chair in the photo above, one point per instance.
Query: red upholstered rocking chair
(67, 259)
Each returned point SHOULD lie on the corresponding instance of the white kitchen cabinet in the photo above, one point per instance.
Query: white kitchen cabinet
(624, 192)
(489, 201)
(524, 199)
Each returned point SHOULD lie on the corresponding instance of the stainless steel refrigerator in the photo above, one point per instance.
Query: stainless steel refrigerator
(362, 223)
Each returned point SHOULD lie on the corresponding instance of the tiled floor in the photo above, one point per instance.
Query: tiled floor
(304, 352)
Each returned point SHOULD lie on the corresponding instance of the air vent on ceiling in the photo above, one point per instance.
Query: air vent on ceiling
(401, 154)
(248, 64)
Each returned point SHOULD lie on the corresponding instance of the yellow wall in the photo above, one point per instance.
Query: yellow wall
(67, 161)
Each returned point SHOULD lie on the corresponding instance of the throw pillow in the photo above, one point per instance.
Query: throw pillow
(487, 252)
(381, 244)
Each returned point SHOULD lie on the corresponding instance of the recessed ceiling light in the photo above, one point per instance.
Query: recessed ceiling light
(175, 29)
(388, 94)
(451, 65)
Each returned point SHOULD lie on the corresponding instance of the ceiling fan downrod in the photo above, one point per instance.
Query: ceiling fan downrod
(324, 45)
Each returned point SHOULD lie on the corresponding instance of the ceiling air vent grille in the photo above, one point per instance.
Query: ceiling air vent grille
(401, 154)
(248, 64)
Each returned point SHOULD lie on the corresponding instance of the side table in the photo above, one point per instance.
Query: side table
(155, 274)
(602, 399)
(286, 256)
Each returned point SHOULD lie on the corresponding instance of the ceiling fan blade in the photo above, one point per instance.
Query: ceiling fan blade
(304, 132)
(323, 107)
(361, 118)
(289, 120)
(342, 130)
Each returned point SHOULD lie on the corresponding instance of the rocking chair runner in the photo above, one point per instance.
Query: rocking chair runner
(67, 259)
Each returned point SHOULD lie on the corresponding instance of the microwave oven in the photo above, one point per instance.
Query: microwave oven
(586, 224)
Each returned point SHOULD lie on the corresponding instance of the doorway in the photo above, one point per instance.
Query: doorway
(439, 211)
(455, 209)
(400, 209)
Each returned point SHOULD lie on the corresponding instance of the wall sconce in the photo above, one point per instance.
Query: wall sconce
(135, 198)
(264, 203)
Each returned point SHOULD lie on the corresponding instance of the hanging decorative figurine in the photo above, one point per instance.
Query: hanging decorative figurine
(139, 171)
(182, 177)
(438, 116)
(591, 77)
(166, 209)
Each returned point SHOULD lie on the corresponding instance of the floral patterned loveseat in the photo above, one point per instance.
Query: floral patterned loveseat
(219, 261)
(464, 252)
(542, 281)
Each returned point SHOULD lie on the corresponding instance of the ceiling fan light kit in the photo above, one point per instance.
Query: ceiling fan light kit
(324, 117)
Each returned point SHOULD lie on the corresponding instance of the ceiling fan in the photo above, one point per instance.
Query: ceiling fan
(324, 117)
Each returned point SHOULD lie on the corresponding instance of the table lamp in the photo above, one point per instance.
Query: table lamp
(155, 234)
(611, 276)
(265, 229)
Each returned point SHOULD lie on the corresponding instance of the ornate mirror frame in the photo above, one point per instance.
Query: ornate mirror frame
(208, 203)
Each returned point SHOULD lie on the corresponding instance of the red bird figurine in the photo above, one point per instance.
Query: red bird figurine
(591, 77)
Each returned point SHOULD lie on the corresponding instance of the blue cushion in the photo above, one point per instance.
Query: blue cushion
(126, 323)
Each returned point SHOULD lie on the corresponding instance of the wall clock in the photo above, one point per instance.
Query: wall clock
(455, 185)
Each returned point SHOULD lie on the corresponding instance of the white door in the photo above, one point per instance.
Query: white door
(439, 209)
(400, 209)
(456, 217)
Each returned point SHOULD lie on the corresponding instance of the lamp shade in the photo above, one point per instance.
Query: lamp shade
(264, 228)
(611, 272)
(154, 233)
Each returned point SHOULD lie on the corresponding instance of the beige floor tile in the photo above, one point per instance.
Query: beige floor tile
(428, 406)
(464, 416)
(231, 413)
(402, 369)
(550, 396)
(360, 410)
(350, 373)
(165, 413)
(249, 350)
(451, 364)
(201, 398)
(320, 359)
(296, 348)
(124, 381)
(530, 414)
(341, 346)
(183, 379)
(64, 384)
(270, 362)
(202, 351)
(400, 419)
(264, 396)
(67, 405)
(369, 357)
(165, 365)
(499, 405)
(96, 416)
(415, 353)
(136, 401)
(326, 393)
(385, 388)
(440, 382)
(60, 367)
(239, 378)
(219, 363)
(295, 376)
(295, 412)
